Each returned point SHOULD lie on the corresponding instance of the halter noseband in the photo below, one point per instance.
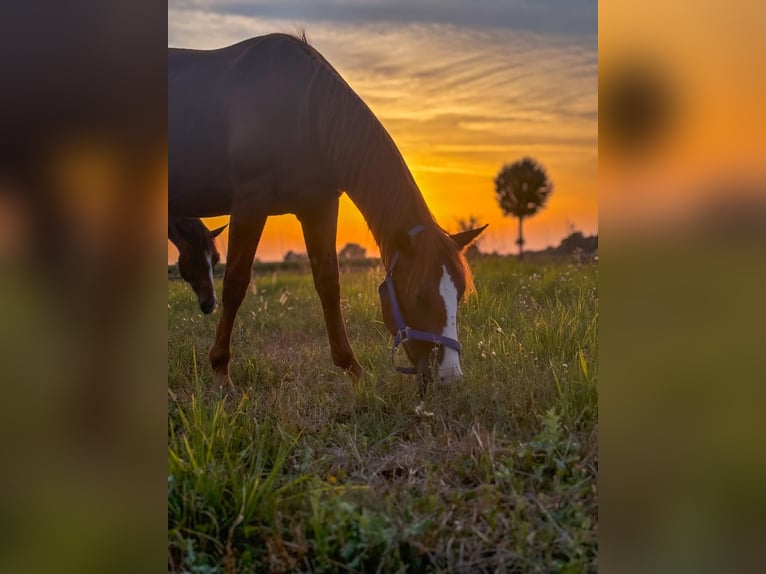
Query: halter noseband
(403, 332)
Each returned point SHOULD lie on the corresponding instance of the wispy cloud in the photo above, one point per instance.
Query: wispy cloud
(500, 83)
(543, 16)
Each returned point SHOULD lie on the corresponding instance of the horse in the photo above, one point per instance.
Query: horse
(268, 127)
(197, 257)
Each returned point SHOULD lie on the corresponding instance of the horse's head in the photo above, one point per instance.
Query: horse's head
(197, 257)
(420, 296)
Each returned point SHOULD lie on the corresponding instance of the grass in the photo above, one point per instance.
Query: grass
(310, 471)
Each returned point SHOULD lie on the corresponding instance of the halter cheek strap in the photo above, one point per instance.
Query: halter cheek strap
(403, 332)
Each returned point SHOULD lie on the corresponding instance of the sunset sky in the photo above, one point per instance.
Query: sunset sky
(712, 145)
(462, 87)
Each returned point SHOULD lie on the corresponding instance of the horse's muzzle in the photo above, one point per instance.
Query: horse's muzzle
(207, 306)
(450, 376)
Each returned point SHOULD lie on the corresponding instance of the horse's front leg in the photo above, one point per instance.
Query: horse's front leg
(244, 234)
(319, 231)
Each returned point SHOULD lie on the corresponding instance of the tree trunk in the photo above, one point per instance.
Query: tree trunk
(520, 240)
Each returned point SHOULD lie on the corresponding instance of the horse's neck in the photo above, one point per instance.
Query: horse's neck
(389, 200)
(369, 166)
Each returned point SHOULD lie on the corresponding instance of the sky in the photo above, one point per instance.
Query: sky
(711, 148)
(462, 87)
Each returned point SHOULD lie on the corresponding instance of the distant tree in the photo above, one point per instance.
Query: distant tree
(352, 251)
(522, 189)
(576, 242)
(468, 223)
(292, 257)
(573, 241)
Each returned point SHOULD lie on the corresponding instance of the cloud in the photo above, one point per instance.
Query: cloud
(418, 72)
(540, 16)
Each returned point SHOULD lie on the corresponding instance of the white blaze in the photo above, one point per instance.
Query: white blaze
(209, 258)
(449, 368)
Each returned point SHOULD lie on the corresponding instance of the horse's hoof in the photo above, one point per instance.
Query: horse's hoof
(222, 383)
(357, 371)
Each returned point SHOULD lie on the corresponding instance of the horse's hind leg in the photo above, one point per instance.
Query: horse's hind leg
(319, 230)
(244, 234)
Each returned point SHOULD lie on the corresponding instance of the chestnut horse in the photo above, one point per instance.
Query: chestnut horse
(268, 127)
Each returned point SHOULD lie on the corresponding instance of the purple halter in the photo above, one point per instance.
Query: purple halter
(403, 332)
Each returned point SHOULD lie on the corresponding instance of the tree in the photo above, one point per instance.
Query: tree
(352, 251)
(468, 223)
(522, 188)
(576, 242)
(292, 257)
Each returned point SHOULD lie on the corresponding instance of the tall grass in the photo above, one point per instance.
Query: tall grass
(310, 471)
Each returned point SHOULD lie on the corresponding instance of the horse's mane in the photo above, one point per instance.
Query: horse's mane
(372, 171)
(435, 245)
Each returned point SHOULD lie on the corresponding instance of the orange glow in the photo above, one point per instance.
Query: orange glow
(455, 190)
(714, 141)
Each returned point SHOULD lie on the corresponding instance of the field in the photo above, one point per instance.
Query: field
(311, 471)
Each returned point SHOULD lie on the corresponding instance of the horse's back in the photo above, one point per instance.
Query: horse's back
(235, 114)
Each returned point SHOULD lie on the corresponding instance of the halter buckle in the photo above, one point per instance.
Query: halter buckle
(403, 335)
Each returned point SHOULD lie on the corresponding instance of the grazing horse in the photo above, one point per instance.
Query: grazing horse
(268, 127)
(197, 256)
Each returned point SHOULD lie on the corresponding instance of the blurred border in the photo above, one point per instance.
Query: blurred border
(83, 283)
(682, 162)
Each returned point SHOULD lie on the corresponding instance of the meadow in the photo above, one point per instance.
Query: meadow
(311, 471)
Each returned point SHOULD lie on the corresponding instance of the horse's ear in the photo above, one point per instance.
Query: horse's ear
(464, 238)
(217, 232)
(176, 237)
(403, 242)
